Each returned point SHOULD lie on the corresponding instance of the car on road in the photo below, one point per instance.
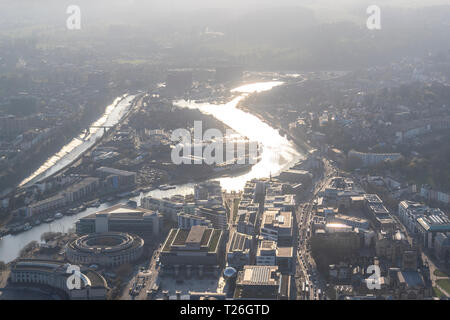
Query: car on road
(111, 275)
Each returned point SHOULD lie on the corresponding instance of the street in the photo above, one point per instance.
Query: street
(143, 280)
(311, 285)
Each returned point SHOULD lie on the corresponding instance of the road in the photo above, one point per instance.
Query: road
(307, 271)
(143, 279)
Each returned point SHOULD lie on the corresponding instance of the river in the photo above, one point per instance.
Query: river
(71, 151)
(278, 154)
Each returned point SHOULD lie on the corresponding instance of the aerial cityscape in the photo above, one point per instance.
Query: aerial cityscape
(225, 150)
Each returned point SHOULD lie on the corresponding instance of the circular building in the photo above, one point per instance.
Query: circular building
(229, 273)
(106, 249)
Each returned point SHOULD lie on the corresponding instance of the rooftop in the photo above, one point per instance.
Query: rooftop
(259, 275)
(195, 235)
(89, 277)
(285, 252)
(121, 211)
(239, 242)
(200, 238)
(372, 199)
(83, 183)
(282, 219)
(115, 171)
(411, 278)
(435, 222)
(350, 218)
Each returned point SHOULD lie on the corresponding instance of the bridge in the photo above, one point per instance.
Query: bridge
(88, 130)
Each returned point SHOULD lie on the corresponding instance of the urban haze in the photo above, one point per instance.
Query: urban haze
(225, 150)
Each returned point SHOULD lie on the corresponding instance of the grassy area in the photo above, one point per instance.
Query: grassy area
(214, 240)
(181, 237)
(172, 235)
(439, 273)
(438, 293)
(444, 284)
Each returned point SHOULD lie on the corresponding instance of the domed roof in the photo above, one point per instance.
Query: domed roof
(229, 272)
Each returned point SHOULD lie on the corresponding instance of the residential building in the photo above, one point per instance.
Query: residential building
(187, 221)
(216, 214)
(372, 159)
(165, 206)
(81, 190)
(115, 178)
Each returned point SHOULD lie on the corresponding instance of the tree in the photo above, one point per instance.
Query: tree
(124, 270)
(352, 163)
(2, 266)
(28, 248)
(47, 236)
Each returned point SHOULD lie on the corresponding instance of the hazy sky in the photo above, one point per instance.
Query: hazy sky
(33, 12)
(189, 5)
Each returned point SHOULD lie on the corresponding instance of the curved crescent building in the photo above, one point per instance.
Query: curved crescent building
(106, 249)
(57, 276)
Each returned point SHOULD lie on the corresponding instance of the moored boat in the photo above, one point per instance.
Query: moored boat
(49, 219)
(166, 187)
(27, 227)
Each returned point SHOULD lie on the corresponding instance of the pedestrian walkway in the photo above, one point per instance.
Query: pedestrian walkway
(443, 291)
